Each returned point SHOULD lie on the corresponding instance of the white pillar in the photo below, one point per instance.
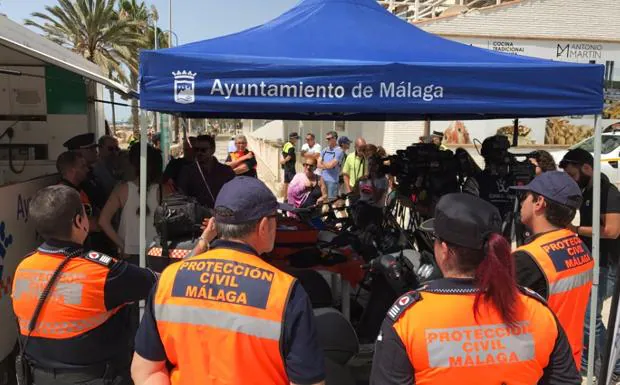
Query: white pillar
(596, 237)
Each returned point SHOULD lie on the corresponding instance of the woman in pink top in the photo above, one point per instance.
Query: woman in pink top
(304, 190)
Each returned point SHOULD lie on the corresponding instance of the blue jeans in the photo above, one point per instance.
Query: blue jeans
(332, 189)
(607, 278)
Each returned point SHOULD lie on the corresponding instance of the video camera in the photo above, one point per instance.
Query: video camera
(180, 216)
(499, 161)
(423, 168)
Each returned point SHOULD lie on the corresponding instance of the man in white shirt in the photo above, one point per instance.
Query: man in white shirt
(311, 149)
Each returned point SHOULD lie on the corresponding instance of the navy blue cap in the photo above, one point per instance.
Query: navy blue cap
(464, 220)
(343, 140)
(244, 199)
(556, 186)
(81, 141)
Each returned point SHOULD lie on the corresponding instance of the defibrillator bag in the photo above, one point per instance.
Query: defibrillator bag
(179, 216)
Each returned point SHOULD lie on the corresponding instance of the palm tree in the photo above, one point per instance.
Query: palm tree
(93, 29)
(142, 16)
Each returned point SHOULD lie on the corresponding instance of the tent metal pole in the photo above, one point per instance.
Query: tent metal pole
(143, 187)
(596, 237)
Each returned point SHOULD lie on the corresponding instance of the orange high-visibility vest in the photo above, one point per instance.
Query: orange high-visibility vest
(76, 304)
(451, 347)
(568, 268)
(220, 318)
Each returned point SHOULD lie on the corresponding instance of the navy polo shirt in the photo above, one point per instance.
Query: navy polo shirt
(303, 357)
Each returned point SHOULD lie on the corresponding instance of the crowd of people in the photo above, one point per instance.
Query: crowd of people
(331, 171)
(224, 315)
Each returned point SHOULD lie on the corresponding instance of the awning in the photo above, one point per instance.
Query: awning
(21, 39)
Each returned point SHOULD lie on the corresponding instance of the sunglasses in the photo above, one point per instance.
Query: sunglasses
(241, 143)
(201, 149)
(329, 138)
(310, 166)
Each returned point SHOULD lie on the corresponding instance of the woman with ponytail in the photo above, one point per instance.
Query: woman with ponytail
(475, 325)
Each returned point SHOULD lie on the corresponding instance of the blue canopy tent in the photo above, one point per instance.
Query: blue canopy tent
(353, 60)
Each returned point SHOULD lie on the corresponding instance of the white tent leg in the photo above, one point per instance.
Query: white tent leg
(596, 236)
(143, 139)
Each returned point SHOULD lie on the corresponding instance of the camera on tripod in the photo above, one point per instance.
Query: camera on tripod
(423, 169)
(501, 162)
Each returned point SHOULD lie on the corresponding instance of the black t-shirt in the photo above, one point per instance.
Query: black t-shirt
(173, 169)
(494, 189)
(610, 204)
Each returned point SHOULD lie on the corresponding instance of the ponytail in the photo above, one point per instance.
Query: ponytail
(495, 277)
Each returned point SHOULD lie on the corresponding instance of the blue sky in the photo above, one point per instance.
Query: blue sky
(192, 20)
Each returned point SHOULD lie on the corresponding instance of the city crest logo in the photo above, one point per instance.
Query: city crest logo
(184, 87)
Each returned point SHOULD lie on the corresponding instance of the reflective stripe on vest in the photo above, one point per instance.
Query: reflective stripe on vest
(455, 347)
(62, 328)
(219, 316)
(451, 347)
(196, 315)
(569, 283)
(75, 305)
(568, 268)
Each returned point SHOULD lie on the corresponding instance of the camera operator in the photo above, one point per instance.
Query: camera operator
(493, 183)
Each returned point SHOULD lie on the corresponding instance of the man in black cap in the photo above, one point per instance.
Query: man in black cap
(579, 164)
(493, 183)
(288, 161)
(554, 262)
(254, 323)
(86, 145)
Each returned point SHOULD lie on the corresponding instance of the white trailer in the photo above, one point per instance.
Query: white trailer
(47, 95)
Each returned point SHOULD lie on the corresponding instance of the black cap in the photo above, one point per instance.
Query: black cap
(556, 186)
(577, 156)
(437, 133)
(293, 135)
(464, 220)
(81, 141)
(494, 145)
(244, 199)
